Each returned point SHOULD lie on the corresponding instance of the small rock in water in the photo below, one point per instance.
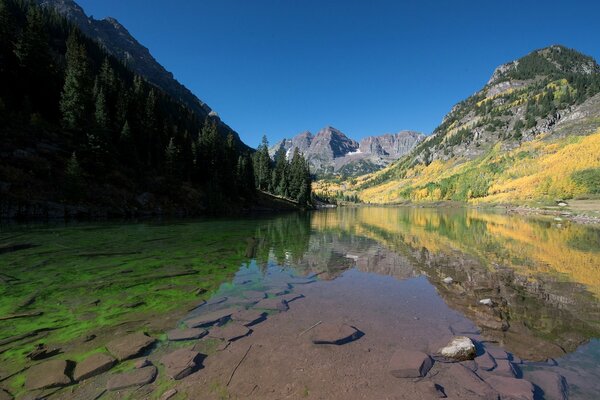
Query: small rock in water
(95, 364)
(210, 318)
(410, 364)
(168, 394)
(185, 334)
(486, 302)
(129, 346)
(181, 363)
(248, 317)
(46, 375)
(461, 348)
(273, 304)
(554, 385)
(512, 388)
(229, 332)
(331, 333)
(137, 377)
(144, 362)
(448, 280)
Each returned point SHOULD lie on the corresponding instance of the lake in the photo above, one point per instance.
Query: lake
(526, 290)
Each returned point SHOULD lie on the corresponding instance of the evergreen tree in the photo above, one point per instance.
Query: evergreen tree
(172, 159)
(262, 166)
(73, 179)
(75, 99)
(101, 113)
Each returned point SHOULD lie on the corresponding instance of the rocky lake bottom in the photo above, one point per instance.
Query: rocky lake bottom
(365, 303)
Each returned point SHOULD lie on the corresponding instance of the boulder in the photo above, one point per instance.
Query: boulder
(95, 364)
(210, 318)
(129, 346)
(332, 333)
(46, 375)
(185, 334)
(137, 377)
(512, 388)
(553, 385)
(410, 364)
(461, 348)
(181, 363)
(272, 304)
(229, 332)
(248, 317)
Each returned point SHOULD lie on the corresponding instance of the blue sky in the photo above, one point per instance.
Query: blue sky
(278, 67)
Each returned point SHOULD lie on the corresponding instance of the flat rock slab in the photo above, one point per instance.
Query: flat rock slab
(291, 297)
(129, 346)
(181, 363)
(46, 375)
(254, 295)
(485, 362)
(210, 318)
(95, 364)
(553, 385)
(505, 368)
(512, 388)
(186, 334)
(461, 348)
(332, 333)
(272, 304)
(277, 291)
(468, 380)
(216, 300)
(248, 317)
(137, 377)
(300, 281)
(229, 332)
(410, 364)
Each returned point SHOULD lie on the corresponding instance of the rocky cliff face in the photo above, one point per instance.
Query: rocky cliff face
(117, 40)
(330, 151)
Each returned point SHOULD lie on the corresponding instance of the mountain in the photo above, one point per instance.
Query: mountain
(116, 40)
(530, 134)
(331, 152)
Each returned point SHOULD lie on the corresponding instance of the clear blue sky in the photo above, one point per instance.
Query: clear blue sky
(366, 67)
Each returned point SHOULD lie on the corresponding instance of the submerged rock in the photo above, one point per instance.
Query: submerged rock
(137, 377)
(272, 304)
(185, 334)
(210, 318)
(229, 332)
(512, 388)
(468, 380)
(505, 368)
(331, 333)
(485, 362)
(129, 346)
(95, 364)
(461, 348)
(553, 385)
(181, 363)
(46, 375)
(410, 364)
(288, 298)
(248, 317)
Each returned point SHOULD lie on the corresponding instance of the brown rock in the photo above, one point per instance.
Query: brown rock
(95, 364)
(47, 375)
(468, 380)
(505, 368)
(229, 332)
(180, 363)
(497, 353)
(210, 318)
(409, 364)
(332, 333)
(485, 362)
(272, 304)
(185, 334)
(144, 362)
(432, 390)
(4, 395)
(552, 384)
(129, 346)
(512, 388)
(248, 317)
(291, 297)
(168, 394)
(137, 377)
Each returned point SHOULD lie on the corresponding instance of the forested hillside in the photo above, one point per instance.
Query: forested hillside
(82, 134)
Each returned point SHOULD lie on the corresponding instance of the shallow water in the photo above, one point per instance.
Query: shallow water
(381, 269)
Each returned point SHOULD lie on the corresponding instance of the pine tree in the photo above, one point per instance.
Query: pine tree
(101, 113)
(73, 179)
(262, 166)
(172, 159)
(76, 95)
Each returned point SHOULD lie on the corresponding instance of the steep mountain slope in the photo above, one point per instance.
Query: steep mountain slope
(330, 152)
(117, 41)
(531, 112)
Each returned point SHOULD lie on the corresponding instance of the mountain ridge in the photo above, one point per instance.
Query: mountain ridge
(331, 152)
